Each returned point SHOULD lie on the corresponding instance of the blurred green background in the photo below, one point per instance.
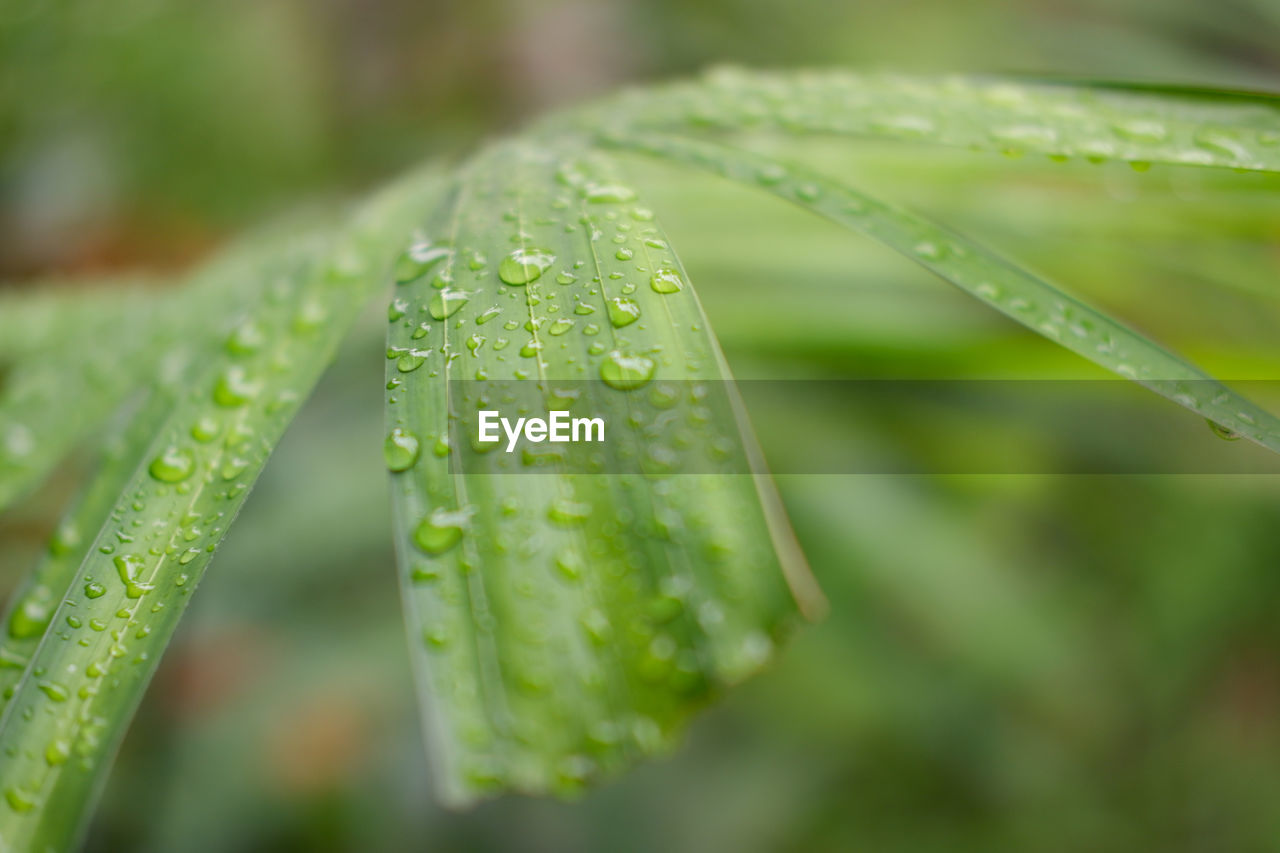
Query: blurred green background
(1017, 662)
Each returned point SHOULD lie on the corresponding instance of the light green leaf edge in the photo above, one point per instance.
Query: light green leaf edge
(1000, 283)
(1095, 122)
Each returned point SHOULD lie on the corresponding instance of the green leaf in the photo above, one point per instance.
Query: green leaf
(99, 345)
(1091, 121)
(73, 701)
(980, 272)
(44, 369)
(564, 623)
(31, 607)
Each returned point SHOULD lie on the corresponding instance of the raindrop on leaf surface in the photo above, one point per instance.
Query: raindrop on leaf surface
(400, 450)
(173, 465)
(625, 372)
(439, 531)
(524, 265)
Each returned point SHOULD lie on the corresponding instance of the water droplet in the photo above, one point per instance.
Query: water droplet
(206, 429)
(234, 388)
(929, 251)
(1032, 135)
(54, 690)
(128, 567)
(411, 361)
(32, 615)
(1141, 130)
(624, 254)
(597, 626)
(608, 194)
(1223, 432)
(173, 465)
(416, 260)
(808, 192)
(559, 327)
(93, 589)
(666, 280)
(396, 310)
(311, 315)
(445, 303)
(440, 531)
(568, 512)
(247, 339)
(771, 174)
(19, 800)
(569, 564)
(487, 315)
(524, 265)
(625, 372)
(623, 311)
(400, 450)
(1222, 142)
(57, 752)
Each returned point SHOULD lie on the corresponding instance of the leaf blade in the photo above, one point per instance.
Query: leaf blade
(987, 276)
(76, 696)
(1092, 121)
(530, 627)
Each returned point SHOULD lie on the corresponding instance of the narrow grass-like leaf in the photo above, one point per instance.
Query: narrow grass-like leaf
(995, 280)
(98, 345)
(46, 370)
(563, 623)
(31, 607)
(1092, 121)
(74, 700)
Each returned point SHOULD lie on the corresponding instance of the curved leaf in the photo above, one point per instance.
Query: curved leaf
(1092, 121)
(563, 623)
(73, 702)
(980, 272)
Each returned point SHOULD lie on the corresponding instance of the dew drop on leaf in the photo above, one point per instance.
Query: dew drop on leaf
(524, 265)
(247, 339)
(608, 194)
(205, 429)
(1223, 432)
(173, 465)
(439, 531)
(400, 450)
(446, 303)
(666, 280)
(416, 260)
(411, 361)
(234, 388)
(625, 372)
(128, 567)
(19, 800)
(623, 311)
(568, 512)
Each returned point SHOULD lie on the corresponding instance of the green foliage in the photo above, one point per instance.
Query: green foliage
(561, 625)
(542, 669)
